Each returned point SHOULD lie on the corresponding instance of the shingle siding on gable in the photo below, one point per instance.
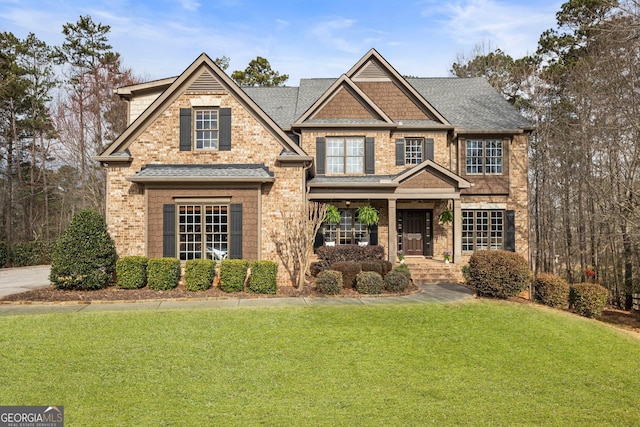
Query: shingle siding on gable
(393, 101)
(343, 106)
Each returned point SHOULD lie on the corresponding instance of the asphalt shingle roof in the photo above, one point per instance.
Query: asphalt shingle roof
(467, 103)
(154, 171)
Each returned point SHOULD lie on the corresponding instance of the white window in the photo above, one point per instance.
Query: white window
(348, 232)
(413, 151)
(482, 229)
(206, 129)
(345, 155)
(484, 157)
(203, 231)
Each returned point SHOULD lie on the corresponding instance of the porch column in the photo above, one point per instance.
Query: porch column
(457, 232)
(393, 232)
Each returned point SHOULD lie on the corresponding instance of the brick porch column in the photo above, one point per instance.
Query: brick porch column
(457, 231)
(393, 232)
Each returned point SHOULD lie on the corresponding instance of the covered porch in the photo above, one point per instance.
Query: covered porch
(409, 206)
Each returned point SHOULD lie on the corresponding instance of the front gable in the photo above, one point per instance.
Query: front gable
(205, 85)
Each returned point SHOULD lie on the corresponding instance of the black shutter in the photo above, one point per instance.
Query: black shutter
(225, 129)
(235, 251)
(369, 156)
(428, 149)
(400, 152)
(185, 129)
(373, 234)
(510, 238)
(169, 230)
(321, 153)
(319, 240)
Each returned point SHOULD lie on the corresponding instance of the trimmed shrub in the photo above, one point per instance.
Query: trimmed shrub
(387, 266)
(131, 272)
(264, 277)
(233, 274)
(329, 282)
(403, 269)
(396, 281)
(498, 274)
(551, 290)
(371, 266)
(199, 274)
(349, 270)
(163, 273)
(588, 299)
(466, 274)
(85, 256)
(339, 253)
(369, 282)
(316, 267)
(30, 253)
(4, 254)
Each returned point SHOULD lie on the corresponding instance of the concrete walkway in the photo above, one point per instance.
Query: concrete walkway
(21, 279)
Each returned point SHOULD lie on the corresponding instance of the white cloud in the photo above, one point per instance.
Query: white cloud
(191, 5)
(334, 33)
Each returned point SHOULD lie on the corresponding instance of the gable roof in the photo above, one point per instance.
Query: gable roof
(203, 71)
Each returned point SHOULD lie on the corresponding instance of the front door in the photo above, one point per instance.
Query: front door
(416, 232)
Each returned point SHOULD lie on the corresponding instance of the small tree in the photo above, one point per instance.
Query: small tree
(85, 256)
(294, 244)
(259, 73)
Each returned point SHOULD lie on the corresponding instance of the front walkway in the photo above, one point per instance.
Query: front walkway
(428, 294)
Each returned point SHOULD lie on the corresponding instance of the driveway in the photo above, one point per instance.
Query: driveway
(22, 279)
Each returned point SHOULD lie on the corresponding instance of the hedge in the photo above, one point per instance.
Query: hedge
(396, 281)
(369, 282)
(551, 290)
(588, 299)
(349, 270)
(163, 273)
(339, 253)
(85, 256)
(131, 272)
(264, 277)
(4, 254)
(199, 274)
(329, 282)
(498, 274)
(30, 253)
(233, 274)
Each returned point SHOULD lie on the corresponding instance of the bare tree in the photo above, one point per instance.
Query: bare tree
(295, 245)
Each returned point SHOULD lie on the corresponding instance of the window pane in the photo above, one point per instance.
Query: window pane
(474, 156)
(346, 227)
(190, 238)
(206, 129)
(345, 155)
(493, 162)
(497, 229)
(413, 151)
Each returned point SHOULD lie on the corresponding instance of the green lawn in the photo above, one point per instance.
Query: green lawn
(472, 363)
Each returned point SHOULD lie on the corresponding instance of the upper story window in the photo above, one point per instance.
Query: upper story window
(206, 129)
(484, 156)
(413, 154)
(345, 155)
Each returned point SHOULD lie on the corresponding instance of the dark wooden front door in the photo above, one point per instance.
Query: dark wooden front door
(416, 232)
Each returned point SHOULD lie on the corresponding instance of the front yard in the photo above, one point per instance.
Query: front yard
(479, 362)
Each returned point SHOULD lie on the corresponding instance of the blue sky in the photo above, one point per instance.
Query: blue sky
(160, 39)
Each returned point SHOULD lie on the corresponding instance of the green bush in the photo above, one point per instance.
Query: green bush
(199, 274)
(233, 274)
(403, 269)
(329, 282)
(369, 282)
(163, 273)
(396, 281)
(30, 253)
(376, 266)
(349, 270)
(85, 256)
(466, 275)
(588, 299)
(498, 274)
(4, 254)
(551, 290)
(131, 272)
(264, 277)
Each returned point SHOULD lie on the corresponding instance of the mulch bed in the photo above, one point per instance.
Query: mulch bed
(112, 293)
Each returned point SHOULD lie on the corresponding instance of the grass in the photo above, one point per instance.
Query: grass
(474, 363)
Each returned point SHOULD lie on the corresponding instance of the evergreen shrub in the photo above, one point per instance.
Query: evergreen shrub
(588, 299)
(199, 274)
(369, 282)
(551, 290)
(329, 282)
(233, 274)
(131, 272)
(264, 277)
(498, 274)
(163, 274)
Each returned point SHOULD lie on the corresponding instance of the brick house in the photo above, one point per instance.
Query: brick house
(206, 167)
